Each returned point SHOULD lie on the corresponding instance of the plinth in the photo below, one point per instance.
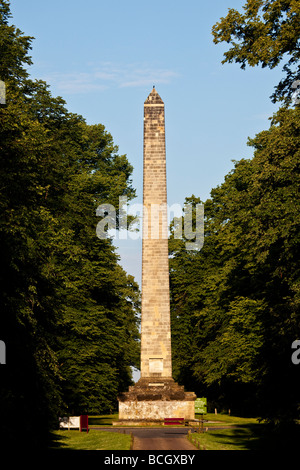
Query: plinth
(150, 402)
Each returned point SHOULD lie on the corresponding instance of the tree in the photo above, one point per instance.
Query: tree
(68, 310)
(14, 47)
(267, 33)
(239, 295)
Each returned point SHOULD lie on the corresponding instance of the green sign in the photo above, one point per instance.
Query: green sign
(201, 405)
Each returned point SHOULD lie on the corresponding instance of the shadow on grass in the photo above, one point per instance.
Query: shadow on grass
(56, 441)
(258, 437)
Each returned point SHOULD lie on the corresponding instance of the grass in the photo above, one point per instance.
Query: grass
(102, 420)
(93, 440)
(243, 434)
(227, 439)
(223, 419)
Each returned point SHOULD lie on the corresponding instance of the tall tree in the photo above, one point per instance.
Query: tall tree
(236, 302)
(266, 34)
(68, 310)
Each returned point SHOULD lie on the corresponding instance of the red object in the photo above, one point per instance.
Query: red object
(174, 421)
(84, 423)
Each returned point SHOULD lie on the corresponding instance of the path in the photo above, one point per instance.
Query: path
(173, 439)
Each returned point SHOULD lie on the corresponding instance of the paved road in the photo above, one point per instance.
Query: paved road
(157, 438)
(174, 439)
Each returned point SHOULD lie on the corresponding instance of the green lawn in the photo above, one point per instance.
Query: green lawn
(102, 420)
(224, 419)
(243, 434)
(228, 439)
(240, 435)
(93, 440)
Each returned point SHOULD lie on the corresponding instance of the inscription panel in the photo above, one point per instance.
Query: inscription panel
(156, 365)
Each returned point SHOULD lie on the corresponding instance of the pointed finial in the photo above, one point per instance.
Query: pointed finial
(154, 98)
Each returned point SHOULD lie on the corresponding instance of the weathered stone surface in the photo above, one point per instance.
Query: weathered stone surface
(159, 389)
(149, 410)
(156, 396)
(159, 398)
(155, 324)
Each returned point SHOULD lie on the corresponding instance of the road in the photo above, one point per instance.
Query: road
(173, 439)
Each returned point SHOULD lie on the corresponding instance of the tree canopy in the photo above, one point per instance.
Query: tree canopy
(266, 34)
(235, 304)
(68, 309)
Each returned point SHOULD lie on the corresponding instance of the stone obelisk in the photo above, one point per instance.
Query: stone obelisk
(155, 396)
(155, 323)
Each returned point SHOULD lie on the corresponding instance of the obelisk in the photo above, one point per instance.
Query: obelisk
(155, 396)
(155, 322)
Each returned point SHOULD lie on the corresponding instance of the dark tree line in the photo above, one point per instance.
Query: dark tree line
(235, 304)
(68, 310)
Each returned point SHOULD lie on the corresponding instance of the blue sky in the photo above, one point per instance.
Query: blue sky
(104, 57)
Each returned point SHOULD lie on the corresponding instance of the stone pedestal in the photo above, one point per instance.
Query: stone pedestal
(150, 401)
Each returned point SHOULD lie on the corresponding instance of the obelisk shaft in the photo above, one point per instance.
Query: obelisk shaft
(155, 323)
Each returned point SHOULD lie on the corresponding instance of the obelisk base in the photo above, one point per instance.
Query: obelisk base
(153, 399)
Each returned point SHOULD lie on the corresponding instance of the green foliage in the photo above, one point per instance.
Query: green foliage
(235, 304)
(68, 310)
(14, 47)
(266, 34)
(239, 340)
